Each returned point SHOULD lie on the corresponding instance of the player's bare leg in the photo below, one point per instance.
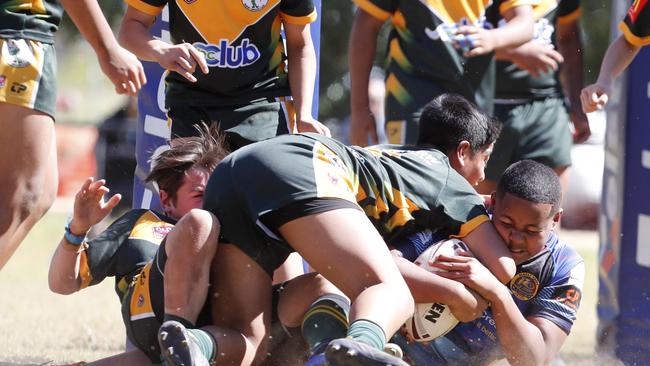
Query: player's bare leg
(28, 181)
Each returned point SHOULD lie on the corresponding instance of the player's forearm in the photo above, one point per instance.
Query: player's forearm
(302, 73)
(619, 55)
(517, 30)
(361, 54)
(63, 276)
(425, 286)
(135, 36)
(521, 342)
(89, 19)
(570, 46)
(488, 247)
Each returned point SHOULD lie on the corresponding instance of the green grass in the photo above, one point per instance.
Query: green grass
(39, 326)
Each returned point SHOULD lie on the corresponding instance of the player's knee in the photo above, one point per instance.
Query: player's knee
(196, 235)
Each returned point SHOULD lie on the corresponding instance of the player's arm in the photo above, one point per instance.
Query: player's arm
(618, 56)
(485, 244)
(89, 208)
(570, 46)
(427, 287)
(532, 56)
(361, 54)
(517, 30)
(120, 66)
(302, 76)
(135, 36)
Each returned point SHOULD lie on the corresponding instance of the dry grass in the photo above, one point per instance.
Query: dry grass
(38, 326)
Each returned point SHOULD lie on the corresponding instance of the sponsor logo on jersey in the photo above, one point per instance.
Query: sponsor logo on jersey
(524, 286)
(140, 301)
(543, 31)
(161, 231)
(636, 9)
(447, 32)
(225, 55)
(254, 5)
(18, 88)
(3, 81)
(569, 295)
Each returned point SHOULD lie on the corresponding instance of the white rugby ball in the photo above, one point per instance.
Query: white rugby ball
(433, 320)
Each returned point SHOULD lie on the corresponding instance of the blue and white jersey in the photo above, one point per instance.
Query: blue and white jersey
(548, 285)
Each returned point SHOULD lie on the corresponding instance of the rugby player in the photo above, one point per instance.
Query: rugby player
(530, 99)
(315, 195)
(530, 318)
(434, 47)
(125, 249)
(27, 103)
(242, 80)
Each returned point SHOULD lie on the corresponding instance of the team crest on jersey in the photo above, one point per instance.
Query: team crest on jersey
(254, 5)
(524, 286)
(3, 81)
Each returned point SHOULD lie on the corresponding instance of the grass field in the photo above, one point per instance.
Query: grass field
(38, 326)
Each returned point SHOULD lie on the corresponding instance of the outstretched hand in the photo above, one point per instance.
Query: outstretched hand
(89, 205)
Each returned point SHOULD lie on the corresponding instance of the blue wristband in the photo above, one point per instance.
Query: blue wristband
(72, 238)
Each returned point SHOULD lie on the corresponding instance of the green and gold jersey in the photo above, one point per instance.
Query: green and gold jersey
(636, 25)
(417, 48)
(123, 249)
(37, 20)
(241, 42)
(514, 83)
(400, 188)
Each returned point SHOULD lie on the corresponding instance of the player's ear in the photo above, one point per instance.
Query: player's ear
(165, 201)
(463, 152)
(557, 216)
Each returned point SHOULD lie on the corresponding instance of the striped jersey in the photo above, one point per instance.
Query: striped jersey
(124, 248)
(241, 42)
(417, 46)
(37, 20)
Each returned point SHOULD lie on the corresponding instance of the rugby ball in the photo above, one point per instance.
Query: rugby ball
(433, 320)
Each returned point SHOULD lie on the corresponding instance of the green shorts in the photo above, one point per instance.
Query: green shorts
(256, 181)
(28, 74)
(537, 130)
(243, 125)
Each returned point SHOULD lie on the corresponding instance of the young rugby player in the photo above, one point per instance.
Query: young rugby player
(636, 34)
(27, 103)
(238, 48)
(530, 318)
(129, 244)
(434, 47)
(317, 194)
(530, 98)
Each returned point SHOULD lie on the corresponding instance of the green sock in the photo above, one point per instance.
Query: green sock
(206, 343)
(325, 320)
(368, 332)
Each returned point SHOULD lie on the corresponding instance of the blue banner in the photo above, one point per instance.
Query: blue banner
(153, 128)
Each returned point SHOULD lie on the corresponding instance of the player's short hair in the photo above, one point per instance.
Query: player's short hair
(532, 181)
(184, 153)
(449, 119)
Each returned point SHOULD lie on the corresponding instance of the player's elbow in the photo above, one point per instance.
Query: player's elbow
(506, 270)
(60, 286)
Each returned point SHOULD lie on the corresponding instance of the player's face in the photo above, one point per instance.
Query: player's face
(474, 170)
(523, 225)
(189, 194)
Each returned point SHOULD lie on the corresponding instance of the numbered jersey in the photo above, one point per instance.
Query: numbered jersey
(515, 83)
(419, 46)
(636, 25)
(241, 42)
(37, 20)
(123, 249)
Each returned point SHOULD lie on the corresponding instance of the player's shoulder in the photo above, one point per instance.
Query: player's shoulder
(565, 258)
